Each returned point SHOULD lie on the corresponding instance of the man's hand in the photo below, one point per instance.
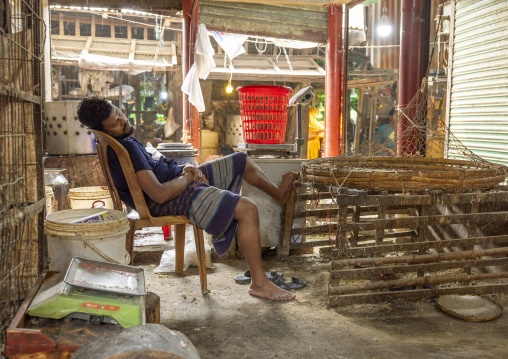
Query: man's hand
(198, 175)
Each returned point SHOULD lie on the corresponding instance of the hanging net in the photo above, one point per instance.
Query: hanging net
(415, 151)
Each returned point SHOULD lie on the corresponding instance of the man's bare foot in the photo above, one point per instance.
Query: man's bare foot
(270, 291)
(288, 180)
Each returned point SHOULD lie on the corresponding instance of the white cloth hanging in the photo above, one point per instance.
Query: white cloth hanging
(203, 64)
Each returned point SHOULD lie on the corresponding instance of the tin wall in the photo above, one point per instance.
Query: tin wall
(479, 88)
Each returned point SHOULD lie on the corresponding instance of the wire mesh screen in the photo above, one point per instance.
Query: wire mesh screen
(414, 151)
(21, 186)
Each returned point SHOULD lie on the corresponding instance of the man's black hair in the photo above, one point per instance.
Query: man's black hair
(92, 111)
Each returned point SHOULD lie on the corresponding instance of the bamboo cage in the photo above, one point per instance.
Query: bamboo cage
(387, 245)
(22, 199)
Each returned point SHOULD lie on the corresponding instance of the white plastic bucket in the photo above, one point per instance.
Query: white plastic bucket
(100, 241)
(90, 197)
(50, 198)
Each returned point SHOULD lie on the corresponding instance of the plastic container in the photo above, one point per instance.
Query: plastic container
(100, 241)
(54, 178)
(50, 198)
(209, 139)
(90, 197)
(234, 134)
(264, 111)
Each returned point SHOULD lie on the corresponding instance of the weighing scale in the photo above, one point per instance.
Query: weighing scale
(97, 291)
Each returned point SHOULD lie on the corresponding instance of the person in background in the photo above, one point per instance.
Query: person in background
(385, 135)
(316, 134)
(208, 194)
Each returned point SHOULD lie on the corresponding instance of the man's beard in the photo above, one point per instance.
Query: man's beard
(125, 135)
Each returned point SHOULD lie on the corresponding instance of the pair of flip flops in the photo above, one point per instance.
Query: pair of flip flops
(275, 277)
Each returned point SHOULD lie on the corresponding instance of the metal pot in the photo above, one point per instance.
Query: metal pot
(65, 135)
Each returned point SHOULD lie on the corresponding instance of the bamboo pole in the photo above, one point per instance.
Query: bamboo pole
(365, 298)
(415, 259)
(431, 267)
(404, 247)
(420, 281)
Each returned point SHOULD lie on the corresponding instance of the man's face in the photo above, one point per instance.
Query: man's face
(117, 125)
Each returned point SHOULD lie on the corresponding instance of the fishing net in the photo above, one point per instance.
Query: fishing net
(414, 151)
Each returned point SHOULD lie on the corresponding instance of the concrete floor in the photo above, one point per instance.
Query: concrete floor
(228, 323)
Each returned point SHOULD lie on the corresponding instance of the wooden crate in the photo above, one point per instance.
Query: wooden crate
(414, 246)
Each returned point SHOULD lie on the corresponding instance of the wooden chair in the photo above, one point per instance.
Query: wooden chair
(103, 141)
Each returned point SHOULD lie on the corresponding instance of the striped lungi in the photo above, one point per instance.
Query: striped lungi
(211, 207)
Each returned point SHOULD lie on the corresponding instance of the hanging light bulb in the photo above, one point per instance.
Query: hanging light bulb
(384, 28)
(229, 88)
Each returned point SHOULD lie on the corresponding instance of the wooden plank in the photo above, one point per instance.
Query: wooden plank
(366, 298)
(381, 215)
(448, 198)
(358, 127)
(132, 50)
(411, 222)
(93, 26)
(416, 281)
(341, 242)
(414, 259)
(60, 24)
(430, 267)
(284, 244)
(310, 244)
(425, 245)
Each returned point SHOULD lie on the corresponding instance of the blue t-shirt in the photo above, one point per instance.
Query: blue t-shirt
(385, 135)
(164, 169)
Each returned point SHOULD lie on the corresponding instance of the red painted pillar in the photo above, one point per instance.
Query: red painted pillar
(333, 93)
(414, 58)
(190, 28)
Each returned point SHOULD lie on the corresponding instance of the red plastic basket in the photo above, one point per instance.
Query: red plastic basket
(264, 111)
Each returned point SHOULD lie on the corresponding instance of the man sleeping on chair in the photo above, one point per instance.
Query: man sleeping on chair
(208, 194)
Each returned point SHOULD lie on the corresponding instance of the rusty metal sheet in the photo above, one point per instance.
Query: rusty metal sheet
(295, 23)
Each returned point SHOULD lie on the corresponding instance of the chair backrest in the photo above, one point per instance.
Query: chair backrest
(103, 141)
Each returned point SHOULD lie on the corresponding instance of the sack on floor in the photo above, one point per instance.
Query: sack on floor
(190, 258)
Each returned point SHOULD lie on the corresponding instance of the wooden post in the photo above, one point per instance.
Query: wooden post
(356, 218)
(152, 308)
(358, 128)
(340, 237)
(381, 215)
(137, 99)
(92, 27)
(283, 247)
(179, 247)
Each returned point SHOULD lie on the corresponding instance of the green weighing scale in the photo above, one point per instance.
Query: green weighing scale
(100, 292)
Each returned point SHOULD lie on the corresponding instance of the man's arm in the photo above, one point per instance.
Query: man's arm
(163, 192)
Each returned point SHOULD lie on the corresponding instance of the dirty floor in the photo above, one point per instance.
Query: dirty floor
(228, 323)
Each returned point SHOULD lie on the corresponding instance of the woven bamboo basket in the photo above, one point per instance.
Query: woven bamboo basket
(403, 174)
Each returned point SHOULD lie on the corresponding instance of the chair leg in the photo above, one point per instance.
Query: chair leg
(179, 247)
(200, 250)
(129, 240)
